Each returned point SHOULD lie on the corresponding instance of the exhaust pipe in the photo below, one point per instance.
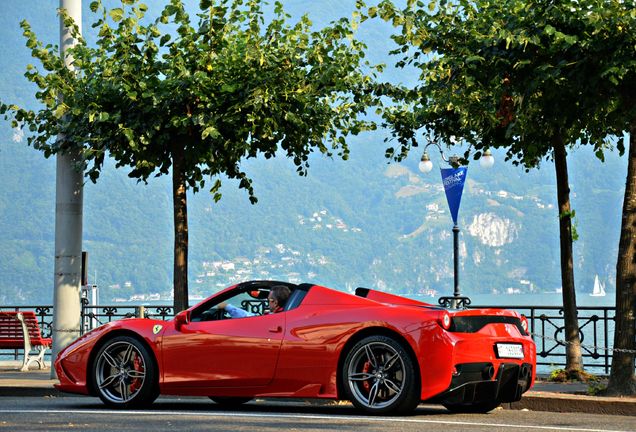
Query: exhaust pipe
(524, 372)
(488, 373)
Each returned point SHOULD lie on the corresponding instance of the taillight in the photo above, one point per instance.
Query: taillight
(444, 320)
(524, 323)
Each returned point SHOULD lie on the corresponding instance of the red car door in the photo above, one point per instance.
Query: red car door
(239, 352)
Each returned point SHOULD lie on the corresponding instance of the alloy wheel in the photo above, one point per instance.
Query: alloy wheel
(120, 372)
(376, 375)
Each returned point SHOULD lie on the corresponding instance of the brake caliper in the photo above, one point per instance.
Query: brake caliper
(366, 369)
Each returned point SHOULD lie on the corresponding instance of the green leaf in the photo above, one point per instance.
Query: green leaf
(164, 39)
(600, 155)
(129, 135)
(94, 6)
(210, 131)
(228, 88)
(60, 111)
(116, 14)
(474, 59)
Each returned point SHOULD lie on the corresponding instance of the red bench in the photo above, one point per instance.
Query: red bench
(22, 330)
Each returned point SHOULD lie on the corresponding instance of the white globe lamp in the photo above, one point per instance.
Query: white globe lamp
(487, 160)
(425, 164)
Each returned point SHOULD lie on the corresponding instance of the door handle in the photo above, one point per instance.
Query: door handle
(275, 329)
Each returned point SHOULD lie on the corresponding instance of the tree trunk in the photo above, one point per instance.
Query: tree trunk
(622, 380)
(573, 358)
(180, 208)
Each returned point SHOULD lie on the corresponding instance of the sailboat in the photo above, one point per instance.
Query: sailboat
(599, 288)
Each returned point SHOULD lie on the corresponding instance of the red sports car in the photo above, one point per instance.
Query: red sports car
(383, 352)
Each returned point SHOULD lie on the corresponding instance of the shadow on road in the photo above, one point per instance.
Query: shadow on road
(318, 407)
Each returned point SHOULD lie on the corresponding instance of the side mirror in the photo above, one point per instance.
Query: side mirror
(181, 319)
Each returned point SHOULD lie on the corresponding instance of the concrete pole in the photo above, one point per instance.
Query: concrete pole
(68, 223)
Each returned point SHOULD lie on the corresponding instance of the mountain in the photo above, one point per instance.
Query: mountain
(361, 222)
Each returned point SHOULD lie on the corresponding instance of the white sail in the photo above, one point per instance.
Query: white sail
(599, 288)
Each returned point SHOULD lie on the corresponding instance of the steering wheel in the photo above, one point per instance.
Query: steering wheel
(214, 315)
(219, 314)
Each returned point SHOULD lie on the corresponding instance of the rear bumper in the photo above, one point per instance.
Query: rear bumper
(479, 382)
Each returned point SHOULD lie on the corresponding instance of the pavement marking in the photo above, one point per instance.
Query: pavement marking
(226, 414)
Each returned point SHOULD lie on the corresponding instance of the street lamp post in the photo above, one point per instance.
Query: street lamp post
(453, 180)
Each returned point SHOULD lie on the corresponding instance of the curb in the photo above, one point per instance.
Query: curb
(532, 401)
(31, 392)
(572, 403)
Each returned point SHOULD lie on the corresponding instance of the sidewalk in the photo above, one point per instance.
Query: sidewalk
(544, 396)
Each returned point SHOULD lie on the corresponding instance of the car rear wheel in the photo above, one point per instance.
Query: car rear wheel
(379, 377)
(230, 401)
(124, 373)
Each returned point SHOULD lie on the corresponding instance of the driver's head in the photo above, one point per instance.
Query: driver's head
(278, 296)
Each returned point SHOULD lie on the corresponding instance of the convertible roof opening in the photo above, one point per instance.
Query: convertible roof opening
(384, 297)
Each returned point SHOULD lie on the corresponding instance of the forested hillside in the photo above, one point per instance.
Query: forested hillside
(361, 222)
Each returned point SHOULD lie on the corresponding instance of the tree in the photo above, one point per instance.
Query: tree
(195, 100)
(609, 47)
(622, 377)
(534, 78)
(497, 74)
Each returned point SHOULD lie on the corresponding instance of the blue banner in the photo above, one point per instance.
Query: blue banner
(453, 179)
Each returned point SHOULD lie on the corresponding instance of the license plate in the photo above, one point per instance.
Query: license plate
(509, 350)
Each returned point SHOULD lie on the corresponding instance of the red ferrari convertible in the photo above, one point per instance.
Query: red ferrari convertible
(383, 352)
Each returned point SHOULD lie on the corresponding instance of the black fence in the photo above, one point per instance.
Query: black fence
(596, 326)
(94, 316)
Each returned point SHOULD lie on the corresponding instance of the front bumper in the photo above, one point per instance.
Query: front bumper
(68, 383)
(479, 382)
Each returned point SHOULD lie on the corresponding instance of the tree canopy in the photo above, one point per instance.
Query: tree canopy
(227, 88)
(502, 74)
(529, 76)
(195, 97)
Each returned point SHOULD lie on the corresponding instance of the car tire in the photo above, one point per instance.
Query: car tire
(379, 377)
(230, 401)
(124, 373)
(472, 408)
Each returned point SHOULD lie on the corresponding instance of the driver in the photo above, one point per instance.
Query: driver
(277, 299)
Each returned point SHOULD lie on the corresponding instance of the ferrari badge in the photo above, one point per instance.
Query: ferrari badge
(157, 328)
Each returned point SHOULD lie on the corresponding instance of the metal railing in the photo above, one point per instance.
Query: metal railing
(94, 316)
(596, 327)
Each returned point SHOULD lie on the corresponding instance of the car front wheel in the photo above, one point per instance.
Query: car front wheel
(379, 377)
(124, 373)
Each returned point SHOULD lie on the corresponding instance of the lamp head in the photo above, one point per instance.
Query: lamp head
(425, 164)
(487, 160)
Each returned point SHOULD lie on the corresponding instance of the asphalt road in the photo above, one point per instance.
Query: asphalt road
(200, 414)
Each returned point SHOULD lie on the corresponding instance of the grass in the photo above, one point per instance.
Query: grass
(595, 386)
